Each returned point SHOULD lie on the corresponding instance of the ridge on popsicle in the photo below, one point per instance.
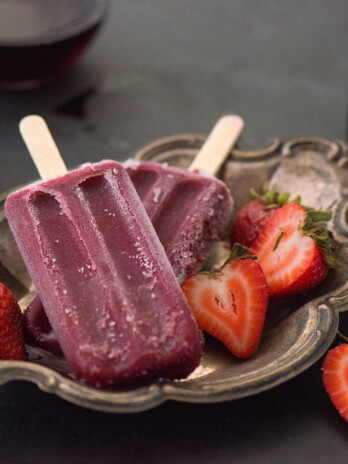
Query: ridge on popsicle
(102, 275)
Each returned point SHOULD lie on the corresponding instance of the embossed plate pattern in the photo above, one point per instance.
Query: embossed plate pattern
(296, 333)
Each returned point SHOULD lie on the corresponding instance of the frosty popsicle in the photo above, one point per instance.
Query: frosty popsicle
(189, 209)
(103, 277)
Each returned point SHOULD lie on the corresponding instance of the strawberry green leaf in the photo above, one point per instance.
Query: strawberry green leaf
(322, 236)
(283, 198)
(239, 252)
(318, 216)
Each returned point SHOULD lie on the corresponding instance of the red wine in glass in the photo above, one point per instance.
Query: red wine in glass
(39, 39)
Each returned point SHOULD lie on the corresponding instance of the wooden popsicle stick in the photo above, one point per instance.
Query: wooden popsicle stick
(218, 144)
(42, 147)
(49, 162)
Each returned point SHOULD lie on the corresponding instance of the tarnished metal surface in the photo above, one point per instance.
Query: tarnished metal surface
(296, 333)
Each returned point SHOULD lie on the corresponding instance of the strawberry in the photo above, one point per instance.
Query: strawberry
(231, 303)
(11, 327)
(335, 377)
(252, 218)
(295, 249)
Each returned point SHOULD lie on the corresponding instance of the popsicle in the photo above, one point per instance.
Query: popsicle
(37, 328)
(189, 209)
(102, 275)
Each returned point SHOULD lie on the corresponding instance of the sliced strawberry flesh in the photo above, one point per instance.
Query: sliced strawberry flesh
(296, 256)
(335, 378)
(12, 345)
(231, 307)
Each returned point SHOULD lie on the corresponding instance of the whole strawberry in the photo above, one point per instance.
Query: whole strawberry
(252, 218)
(231, 304)
(295, 249)
(12, 345)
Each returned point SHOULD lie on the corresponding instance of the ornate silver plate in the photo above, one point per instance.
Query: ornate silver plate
(296, 333)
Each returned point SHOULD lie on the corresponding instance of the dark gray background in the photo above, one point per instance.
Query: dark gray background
(158, 68)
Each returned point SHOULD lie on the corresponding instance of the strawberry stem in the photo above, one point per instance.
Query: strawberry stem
(239, 252)
(256, 195)
(342, 336)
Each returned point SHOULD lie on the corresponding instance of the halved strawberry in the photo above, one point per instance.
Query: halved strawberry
(12, 345)
(231, 304)
(252, 218)
(294, 250)
(335, 378)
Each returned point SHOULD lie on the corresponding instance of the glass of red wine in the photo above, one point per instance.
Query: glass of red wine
(39, 39)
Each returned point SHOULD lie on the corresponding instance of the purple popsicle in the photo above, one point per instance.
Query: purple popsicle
(188, 210)
(37, 328)
(103, 277)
